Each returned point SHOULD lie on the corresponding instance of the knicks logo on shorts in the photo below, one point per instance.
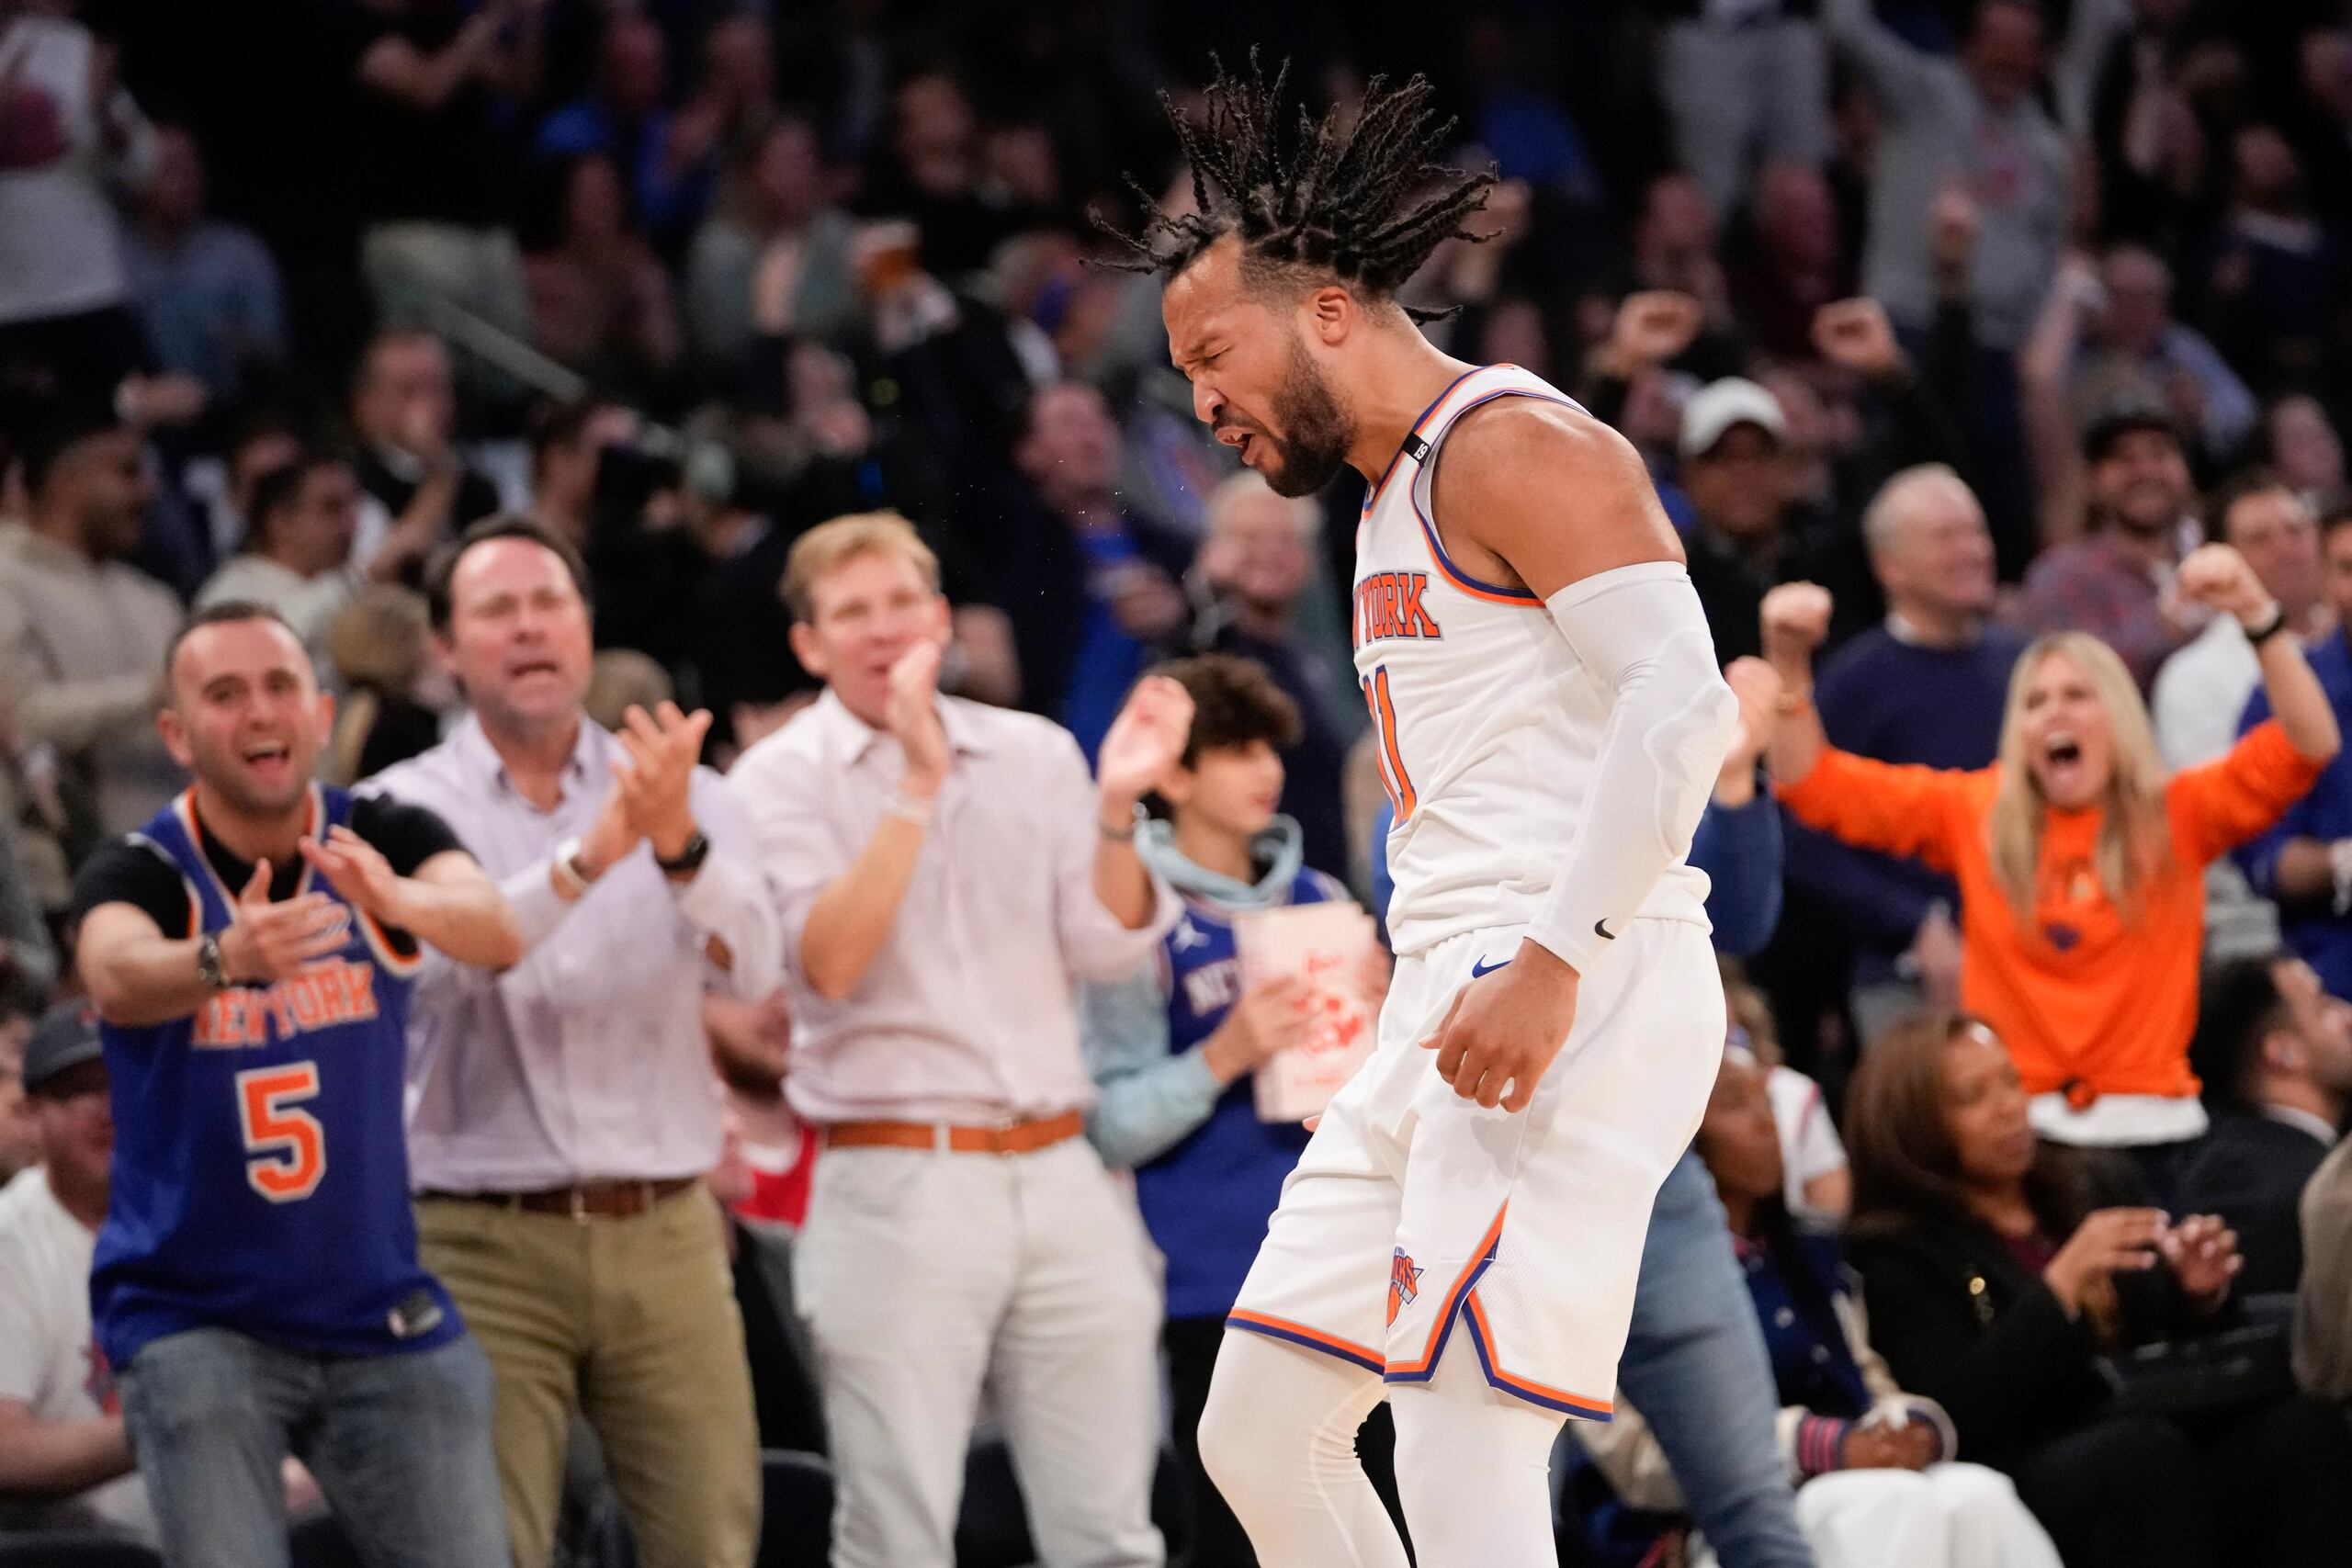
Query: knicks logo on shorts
(1389, 605)
(1404, 1283)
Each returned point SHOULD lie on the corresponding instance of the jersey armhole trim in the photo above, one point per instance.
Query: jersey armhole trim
(1492, 592)
(1372, 496)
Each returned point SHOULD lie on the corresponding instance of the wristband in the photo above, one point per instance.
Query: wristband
(2259, 634)
(2339, 866)
(564, 872)
(909, 807)
(1126, 835)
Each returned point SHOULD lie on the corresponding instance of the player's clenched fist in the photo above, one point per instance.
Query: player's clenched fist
(1795, 621)
(1505, 1027)
(269, 942)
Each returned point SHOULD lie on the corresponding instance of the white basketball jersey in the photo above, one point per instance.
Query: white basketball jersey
(1486, 725)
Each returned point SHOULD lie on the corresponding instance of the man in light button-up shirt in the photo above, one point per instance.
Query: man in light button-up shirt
(563, 1112)
(948, 872)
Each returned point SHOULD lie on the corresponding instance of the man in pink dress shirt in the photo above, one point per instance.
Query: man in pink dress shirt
(948, 872)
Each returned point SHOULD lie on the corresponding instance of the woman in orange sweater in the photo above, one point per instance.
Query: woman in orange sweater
(2081, 865)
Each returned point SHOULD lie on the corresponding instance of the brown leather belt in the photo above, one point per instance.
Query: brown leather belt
(1018, 1138)
(590, 1199)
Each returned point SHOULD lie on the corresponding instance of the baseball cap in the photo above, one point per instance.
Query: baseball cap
(1715, 408)
(66, 1036)
(2119, 419)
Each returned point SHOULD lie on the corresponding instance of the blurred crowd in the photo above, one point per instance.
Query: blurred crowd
(584, 382)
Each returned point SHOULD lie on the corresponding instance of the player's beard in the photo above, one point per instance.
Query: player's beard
(1317, 433)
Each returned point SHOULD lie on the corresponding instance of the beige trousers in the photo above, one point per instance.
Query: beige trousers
(633, 1323)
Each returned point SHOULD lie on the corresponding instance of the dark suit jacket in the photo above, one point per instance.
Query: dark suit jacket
(1960, 1320)
(2251, 1171)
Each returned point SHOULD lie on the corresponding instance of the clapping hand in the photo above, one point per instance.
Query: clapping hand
(1145, 741)
(2203, 1254)
(267, 942)
(657, 787)
(2107, 1242)
(914, 715)
(355, 869)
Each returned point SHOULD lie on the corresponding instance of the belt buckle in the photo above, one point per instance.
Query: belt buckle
(579, 1204)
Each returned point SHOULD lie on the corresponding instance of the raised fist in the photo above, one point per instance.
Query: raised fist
(1795, 621)
(1651, 329)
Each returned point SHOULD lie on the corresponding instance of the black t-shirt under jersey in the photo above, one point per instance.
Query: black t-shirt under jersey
(125, 871)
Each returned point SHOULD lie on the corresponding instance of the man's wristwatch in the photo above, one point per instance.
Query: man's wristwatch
(689, 858)
(209, 968)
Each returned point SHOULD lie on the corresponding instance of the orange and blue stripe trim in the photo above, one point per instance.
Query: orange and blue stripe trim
(1372, 496)
(1489, 1362)
(1300, 1334)
(380, 942)
(1450, 1308)
(1462, 1304)
(184, 811)
(1492, 592)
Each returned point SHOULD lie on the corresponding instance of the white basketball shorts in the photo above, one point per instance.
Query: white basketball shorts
(1417, 1221)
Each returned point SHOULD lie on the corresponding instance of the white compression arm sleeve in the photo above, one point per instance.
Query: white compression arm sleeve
(1640, 633)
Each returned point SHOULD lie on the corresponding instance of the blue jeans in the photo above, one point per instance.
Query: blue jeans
(400, 1445)
(1696, 1367)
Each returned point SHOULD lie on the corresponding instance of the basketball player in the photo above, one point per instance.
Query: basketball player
(1464, 1229)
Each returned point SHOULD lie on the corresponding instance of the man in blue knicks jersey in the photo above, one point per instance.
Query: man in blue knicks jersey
(256, 1286)
(1464, 1229)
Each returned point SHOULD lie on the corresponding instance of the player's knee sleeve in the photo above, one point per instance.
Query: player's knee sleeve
(1280, 1422)
(1474, 1472)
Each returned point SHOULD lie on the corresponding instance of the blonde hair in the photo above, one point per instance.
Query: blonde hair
(830, 544)
(2134, 840)
(382, 639)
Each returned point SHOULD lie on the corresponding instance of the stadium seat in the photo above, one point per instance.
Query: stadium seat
(796, 1510)
(993, 1529)
(993, 1532)
(318, 1541)
(73, 1549)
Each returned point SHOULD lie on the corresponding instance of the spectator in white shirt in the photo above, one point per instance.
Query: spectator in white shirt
(296, 556)
(948, 872)
(64, 1457)
(2202, 691)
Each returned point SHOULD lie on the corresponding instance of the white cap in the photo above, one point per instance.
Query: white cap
(1715, 408)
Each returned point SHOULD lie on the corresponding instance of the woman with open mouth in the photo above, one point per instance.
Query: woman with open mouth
(2081, 862)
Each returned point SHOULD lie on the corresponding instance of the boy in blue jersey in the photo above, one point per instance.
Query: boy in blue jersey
(256, 1287)
(1172, 1050)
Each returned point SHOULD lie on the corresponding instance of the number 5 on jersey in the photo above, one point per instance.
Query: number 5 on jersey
(1392, 760)
(289, 1148)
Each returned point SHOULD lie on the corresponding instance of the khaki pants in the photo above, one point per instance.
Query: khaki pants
(633, 1323)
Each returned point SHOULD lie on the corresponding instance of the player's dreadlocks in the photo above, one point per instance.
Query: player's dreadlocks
(1335, 200)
